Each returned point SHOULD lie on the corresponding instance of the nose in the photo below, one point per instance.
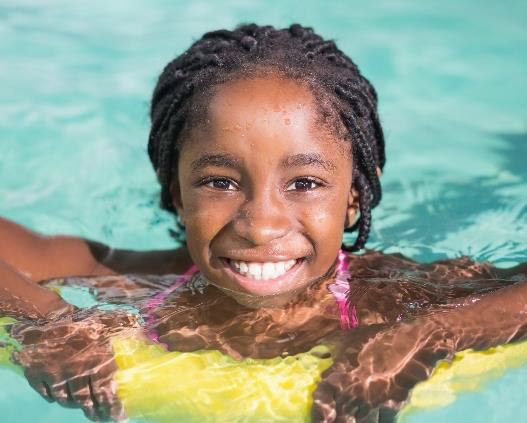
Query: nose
(262, 219)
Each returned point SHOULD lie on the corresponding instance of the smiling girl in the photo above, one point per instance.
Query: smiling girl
(268, 147)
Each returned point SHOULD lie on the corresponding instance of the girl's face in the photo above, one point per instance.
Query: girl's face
(264, 191)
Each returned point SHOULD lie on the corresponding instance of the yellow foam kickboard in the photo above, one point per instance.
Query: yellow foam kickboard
(157, 386)
(208, 386)
(469, 371)
(7, 346)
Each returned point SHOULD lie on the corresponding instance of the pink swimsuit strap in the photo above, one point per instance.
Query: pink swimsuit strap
(160, 298)
(340, 290)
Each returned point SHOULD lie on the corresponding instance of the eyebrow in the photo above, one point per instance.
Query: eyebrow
(308, 159)
(218, 160)
(229, 161)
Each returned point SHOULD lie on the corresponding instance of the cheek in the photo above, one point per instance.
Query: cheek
(205, 218)
(323, 222)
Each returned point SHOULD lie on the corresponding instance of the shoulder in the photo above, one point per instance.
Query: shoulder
(156, 262)
(395, 265)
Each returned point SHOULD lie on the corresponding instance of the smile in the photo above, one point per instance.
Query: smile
(264, 276)
(262, 271)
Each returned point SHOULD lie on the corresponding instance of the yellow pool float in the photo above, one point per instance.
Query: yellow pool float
(209, 387)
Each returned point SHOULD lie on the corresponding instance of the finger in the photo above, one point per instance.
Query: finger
(43, 389)
(62, 394)
(103, 390)
(80, 392)
(79, 387)
(324, 406)
(348, 418)
(39, 385)
(104, 396)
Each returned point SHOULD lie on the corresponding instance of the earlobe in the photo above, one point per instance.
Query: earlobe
(351, 216)
(353, 206)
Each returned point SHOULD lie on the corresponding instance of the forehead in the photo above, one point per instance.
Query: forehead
(245, 99)
(258, 112)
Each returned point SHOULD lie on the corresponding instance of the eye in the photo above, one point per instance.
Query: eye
(222, 184)
(304, 184)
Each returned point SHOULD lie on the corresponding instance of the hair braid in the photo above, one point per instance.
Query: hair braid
(299, 53)
(365, 206)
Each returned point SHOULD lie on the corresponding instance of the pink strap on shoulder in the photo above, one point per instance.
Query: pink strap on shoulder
(160, 298)
(340, 290)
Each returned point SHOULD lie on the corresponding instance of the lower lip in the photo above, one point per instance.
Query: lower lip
(282, 283)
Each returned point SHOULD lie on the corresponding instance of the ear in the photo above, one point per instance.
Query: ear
(175, 192)
(353, 207)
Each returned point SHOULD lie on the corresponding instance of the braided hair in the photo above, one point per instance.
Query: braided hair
(297, 52)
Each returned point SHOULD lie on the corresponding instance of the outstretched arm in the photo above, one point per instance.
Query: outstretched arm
(40, 257)
(494, 319)
(378, 376)
(27, 257)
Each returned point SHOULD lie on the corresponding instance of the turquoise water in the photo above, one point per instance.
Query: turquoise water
(452, 81)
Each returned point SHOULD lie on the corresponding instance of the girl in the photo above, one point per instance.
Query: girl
(268, 147)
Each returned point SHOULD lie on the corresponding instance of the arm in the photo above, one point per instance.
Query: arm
(495, 319)
(70, 360)
(375, 375)
(27, 257)
(41, 257)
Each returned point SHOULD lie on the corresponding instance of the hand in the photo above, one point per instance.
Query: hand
(375, 370)
(69, 360)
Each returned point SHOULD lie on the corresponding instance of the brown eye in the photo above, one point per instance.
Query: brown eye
(222, 184)
(303, 184)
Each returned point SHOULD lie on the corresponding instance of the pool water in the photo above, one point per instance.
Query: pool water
(452, 83)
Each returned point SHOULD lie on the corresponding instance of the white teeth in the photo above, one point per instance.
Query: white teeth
(268, 270)
(265, 271)
(255, 270)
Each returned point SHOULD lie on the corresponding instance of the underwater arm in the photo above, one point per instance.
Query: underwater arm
(373, 377)
(494, 319)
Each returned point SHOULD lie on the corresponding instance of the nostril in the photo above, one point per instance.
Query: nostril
(262, 218)
(262, 229)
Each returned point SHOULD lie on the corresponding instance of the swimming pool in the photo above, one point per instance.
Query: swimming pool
(452, 83)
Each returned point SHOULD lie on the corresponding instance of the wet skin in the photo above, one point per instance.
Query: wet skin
(262, 180)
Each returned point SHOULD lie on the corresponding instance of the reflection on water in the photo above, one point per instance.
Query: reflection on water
(484, 217)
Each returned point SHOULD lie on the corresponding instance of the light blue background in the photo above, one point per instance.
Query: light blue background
(451, 77)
